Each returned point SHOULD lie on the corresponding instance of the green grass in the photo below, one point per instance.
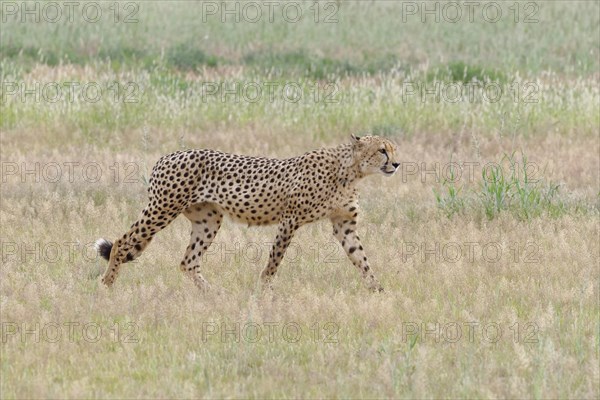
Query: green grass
(505, 186)
(368, 37)
(545, 72)
(187, 57)
(164, 97)
(458, 71)
(449, 198)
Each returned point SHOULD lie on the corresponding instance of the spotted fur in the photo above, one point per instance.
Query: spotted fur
(204, 185)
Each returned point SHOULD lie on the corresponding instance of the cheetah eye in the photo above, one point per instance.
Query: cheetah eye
(382, 151)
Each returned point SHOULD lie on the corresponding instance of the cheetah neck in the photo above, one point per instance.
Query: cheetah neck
(349, 171)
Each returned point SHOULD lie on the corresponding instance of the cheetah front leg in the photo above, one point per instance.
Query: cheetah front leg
(344, 229)
(285, 233)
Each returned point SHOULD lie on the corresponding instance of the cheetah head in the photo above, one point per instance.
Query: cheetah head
(374, 154)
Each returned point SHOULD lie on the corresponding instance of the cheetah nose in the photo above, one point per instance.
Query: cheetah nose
(395, 164)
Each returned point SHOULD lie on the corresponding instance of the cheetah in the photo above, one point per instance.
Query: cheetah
(204, 185)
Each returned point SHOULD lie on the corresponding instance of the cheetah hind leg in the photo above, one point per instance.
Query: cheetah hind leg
(285, 233)
(134, 242)
(206, 220)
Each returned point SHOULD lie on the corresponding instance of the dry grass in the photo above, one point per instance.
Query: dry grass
(541, 291)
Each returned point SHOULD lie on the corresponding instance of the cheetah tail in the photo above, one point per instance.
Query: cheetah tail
(104, 247)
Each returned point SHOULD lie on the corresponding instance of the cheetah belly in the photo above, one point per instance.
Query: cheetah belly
(252, 202)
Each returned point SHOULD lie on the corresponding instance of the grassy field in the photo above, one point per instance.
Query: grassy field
(486, 240)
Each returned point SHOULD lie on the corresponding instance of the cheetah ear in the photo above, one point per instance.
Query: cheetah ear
(355, 139)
